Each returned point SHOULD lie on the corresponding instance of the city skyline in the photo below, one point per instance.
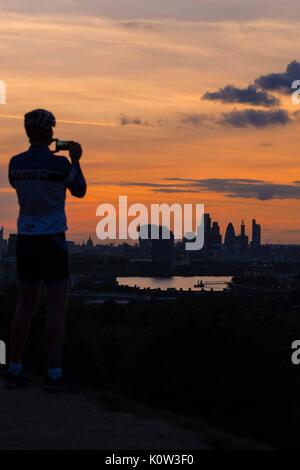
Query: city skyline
(212, 235)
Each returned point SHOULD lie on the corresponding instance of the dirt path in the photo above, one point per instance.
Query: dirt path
(32, 419)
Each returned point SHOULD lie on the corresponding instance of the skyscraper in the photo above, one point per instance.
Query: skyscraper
(145, 242)
(230, 237)
(216, 237)
(207, 231)
(243, 239)
(256, 234)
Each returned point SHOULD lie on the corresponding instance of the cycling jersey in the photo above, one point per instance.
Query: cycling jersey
(40, 179)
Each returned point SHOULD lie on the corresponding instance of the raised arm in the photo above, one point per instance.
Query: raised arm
(76, 182)
(10, 173)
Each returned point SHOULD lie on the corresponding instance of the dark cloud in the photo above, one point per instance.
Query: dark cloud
(136, 121)
(281, 81)
(241, 180)
(146, 185)
(255, 118)
(249, 95)
(175, 190)
(230, 187)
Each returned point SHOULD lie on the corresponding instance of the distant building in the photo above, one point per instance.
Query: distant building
(161, 249)
(145, 243)
(242, 239)
(189, 237)
(12, 246)
(212, 234)
(89, 243)
(207, 231)
(256, 234)
(2, 243)
(230, 238)
(215, 234)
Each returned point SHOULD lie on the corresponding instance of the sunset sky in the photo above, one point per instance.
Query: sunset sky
(127, 79)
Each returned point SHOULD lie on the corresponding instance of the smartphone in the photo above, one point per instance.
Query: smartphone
(62, 145)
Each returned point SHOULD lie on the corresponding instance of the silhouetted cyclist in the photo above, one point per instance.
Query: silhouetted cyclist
(40, 179)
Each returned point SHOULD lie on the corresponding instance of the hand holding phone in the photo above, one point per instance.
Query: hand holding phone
(75, 150)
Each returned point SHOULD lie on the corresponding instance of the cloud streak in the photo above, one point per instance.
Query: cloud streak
(231, 187)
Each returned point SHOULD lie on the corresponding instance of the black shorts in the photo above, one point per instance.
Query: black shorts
(42, 258)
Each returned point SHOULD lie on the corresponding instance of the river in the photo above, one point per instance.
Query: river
(217, 283)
